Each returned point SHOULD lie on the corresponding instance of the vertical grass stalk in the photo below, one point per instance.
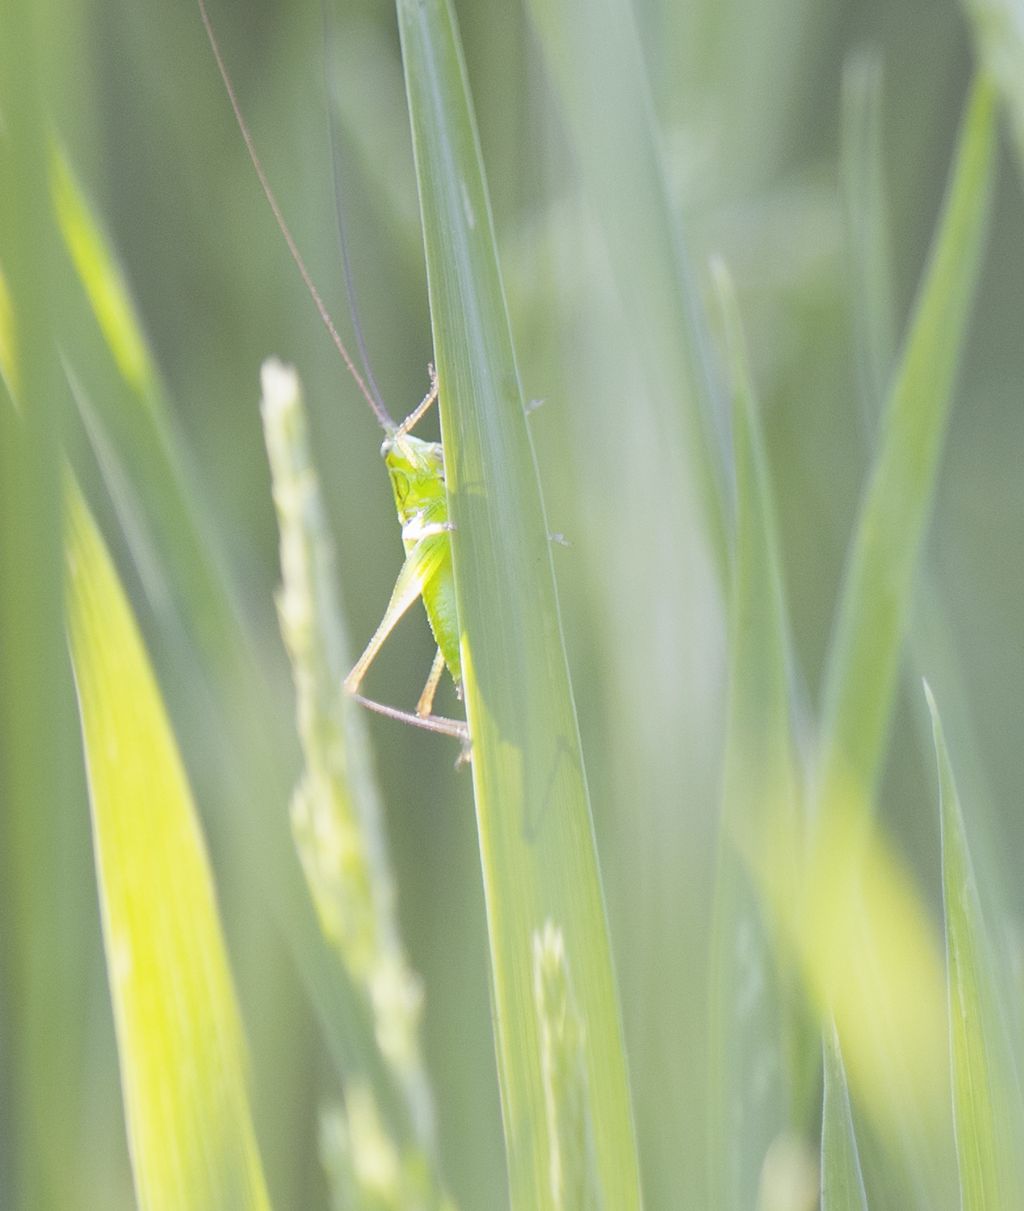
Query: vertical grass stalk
(864, 654)
(533, 814)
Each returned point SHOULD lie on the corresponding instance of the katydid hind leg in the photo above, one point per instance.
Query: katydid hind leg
(420, 564)
(458, 729)
(425, 706)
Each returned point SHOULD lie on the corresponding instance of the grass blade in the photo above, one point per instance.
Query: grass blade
(999, 34)
(533, 814)
(752, 1086)
(842, 1183)
(893, 1042)
(931, 637)
(865, 650)
(988, 1114)
(179, 1034)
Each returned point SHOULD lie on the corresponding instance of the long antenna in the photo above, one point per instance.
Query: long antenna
(376, 405)
(339, 205)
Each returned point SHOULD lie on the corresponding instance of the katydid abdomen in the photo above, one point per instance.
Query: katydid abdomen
(416, 470)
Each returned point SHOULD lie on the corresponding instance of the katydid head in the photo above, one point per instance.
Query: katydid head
(416, 467)
(416, 470)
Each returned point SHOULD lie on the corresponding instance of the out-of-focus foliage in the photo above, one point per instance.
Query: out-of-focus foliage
(741, 111)
(179, 1035)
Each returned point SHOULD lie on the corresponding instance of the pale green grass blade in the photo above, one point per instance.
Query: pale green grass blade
(533, 813)
(149, 478)
(865, 651)
(595, 59)
(999, 34)
(869, 254)
(931, 636)
(842, 1183)
(179, 1034)
(987, 1107)
(752, 1087)
(895, 1039)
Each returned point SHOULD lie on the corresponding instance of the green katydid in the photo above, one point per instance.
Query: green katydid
(416, 470)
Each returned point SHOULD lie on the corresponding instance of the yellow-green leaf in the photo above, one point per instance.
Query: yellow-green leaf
(178, 1030)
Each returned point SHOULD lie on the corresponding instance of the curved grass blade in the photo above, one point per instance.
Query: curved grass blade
(753, 1087)
(865, 650)
(533, 814)
(987, 1107)
(179, 1035)
(842, 1183)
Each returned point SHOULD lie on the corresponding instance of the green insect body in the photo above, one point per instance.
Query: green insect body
(416, 470)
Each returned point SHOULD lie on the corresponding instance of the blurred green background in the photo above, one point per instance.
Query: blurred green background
(747, 95)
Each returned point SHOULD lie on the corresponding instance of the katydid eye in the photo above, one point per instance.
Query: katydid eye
(401, 483)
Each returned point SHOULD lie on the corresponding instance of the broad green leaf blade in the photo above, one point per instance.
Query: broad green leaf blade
(752, 1086)
(594, 55)
(533, 813)
(864, 654)
(178, 1030)
(999, 34)
(842, 1183)
(988, 1113)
